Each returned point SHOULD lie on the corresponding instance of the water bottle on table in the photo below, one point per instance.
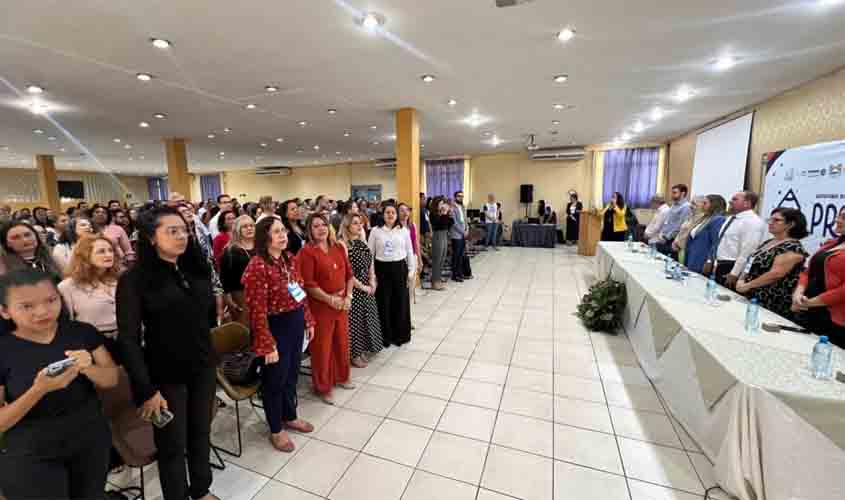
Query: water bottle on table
(629, 242)
(711, 290)
(652, 250)
(821, 361)
(752, 317)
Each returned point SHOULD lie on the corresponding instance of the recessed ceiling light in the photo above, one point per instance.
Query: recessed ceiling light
(346, 134)
(338, 153)
(38, 107)
(271, 88)
(657, 113)
(684, 93)
(495, 141)
(116, 140)
(559, 106)
(160, 43)
(375, 143)
(625, 137)
(300, 150)
(127, 146)
(144, 77)
(332, 111)
(227, 130)
(724, 63)
(141, 157)
(130, 158)
(639, 127)
(280, 139)
(222, 153)
(302, 123)
(144, 125)
(35, 89)
(373, 127)
(560, 78)
(211, 136)
(316, 147)
(62, 150)
(555, 122)
(263, 144)
(371, 21)
(566, 34)
(250, 106)
(487, 133)
(427, 78)
(160, 116)
(51, 138)
(452, 102)
(422, 146)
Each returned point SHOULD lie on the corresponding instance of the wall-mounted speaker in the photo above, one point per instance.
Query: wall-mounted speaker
(526, 193)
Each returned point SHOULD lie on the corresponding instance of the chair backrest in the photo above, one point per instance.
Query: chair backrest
(231, 337)
(132, 437)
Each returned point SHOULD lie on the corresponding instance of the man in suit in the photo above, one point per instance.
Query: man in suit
(458, 235)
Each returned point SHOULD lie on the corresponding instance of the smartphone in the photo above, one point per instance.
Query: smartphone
(163, 418)
(59, 367)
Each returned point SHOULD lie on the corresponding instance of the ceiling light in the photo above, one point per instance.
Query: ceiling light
(487, 133)
(38, 107)
(250, 106)
(452, 102)
(141, 157)
(144, 77)
(51, 138)
(144, 125)
(558, 106)
(346, 134)
(35, 89)
(160, 43)
(222, 153)
(684, 93)
(302, 123)
(300, 150)
(422, 146)
(316, 147)
(160, 116)
(373, 127)
(271, 88)
(657, 113)
(427, 78)
(725, 62)
(130, 158)
(62, 150)
(116, 140)
(338, 153)
(495, 141)
(227, 130)
(211, 136)
(566, 34)
(639, 127)
(375, 143)
(555, 122)
(371, 21)
(625, 137)
(263, 144)
(560, 78)
(280, 139)
(127, 146)
(332, 111)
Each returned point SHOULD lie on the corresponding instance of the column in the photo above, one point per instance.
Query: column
(48, 183)
(178, 178)
(408, 160)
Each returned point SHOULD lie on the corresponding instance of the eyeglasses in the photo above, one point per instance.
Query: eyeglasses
(177, 232)
(776, 219)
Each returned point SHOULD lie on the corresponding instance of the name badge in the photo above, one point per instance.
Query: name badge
(296, 291)
(388, 248)
(748, 265)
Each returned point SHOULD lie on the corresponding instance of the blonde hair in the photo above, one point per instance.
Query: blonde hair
(235, 239)
(332, 239)
(345, 234)
(80, 268)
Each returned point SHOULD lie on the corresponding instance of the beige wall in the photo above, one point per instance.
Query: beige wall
(334, 181)
(812, 113)
(502, 174)
(22, 185)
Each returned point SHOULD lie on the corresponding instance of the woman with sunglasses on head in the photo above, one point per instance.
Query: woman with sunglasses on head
(23, 248)
(56, 438)
(166, 298)
(280, 316)
(233, 263)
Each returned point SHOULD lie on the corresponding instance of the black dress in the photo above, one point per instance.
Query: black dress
(364, 327)
(573, 220)
(776, 297)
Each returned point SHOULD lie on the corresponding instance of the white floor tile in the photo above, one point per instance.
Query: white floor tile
(524, 433)
(577, 368)
(579, 388)
(418, 410)
(395, 377)
(237, 483)
(434, 385)
(409, 359)
(491, 495)
(350, 429)
(644, 425)
(660, 465)
(399, 442)
(475, 393)
(467, 421)
(573, 482)
(315, 412)
(425, 486)
(647, 491)
(446, 365)
(623, 374)
(532, 380)
(331, 461)
(459, 349)
(584, 414)
(589, 448)
(455, 457)
(423, 344)
(371, 478)
(518, 474)
(637, 397)
(528, 403)
(275, 490)
(374, 399)
(486, 372)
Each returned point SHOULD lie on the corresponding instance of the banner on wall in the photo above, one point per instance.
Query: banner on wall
(811, 179)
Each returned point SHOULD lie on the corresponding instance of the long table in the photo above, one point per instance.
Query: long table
(749, 401)
(533, 235)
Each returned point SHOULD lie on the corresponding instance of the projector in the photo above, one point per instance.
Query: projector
(511, 3)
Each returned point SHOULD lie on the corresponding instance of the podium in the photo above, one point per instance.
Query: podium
(589, 232)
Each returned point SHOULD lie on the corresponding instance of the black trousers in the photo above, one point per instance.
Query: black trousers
(189, 432)
(723, 268)
(74, 467)
(278, 380)
(394, 302)
(458, 250)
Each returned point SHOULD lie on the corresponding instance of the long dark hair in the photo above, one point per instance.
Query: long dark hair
(191, 261)
(620, 200)
(221, 221)
(263, 239)
(384, 207)
(108, 216)
(69, 235)
(42, 258)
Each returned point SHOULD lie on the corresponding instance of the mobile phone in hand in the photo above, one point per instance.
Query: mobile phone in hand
(59, 367)
(163, 418)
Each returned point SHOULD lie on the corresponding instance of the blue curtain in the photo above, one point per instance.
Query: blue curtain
(210, 187)
(444, 177)
(157, 188)
(632, 172)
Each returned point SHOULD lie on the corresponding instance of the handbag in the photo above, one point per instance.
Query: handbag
(241, 368)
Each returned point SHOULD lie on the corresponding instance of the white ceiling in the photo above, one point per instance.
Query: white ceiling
(627, 58)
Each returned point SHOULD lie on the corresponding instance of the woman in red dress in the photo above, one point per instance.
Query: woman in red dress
(327, 274)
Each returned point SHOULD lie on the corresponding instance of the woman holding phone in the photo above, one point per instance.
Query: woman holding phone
(54, 428)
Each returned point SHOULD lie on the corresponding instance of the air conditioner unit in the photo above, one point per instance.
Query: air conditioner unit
(388, 163)
(274, 171)
(566, 154)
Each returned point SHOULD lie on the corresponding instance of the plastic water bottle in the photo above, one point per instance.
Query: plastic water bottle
(752, 318)
(821, 361)
(710, 290)
(629, 242)
(652, 250)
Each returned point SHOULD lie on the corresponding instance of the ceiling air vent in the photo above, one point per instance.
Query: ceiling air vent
(511, 3)
(274, 171)
(387, 163)
(564, 154)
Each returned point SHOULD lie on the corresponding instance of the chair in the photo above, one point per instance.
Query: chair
(225, 339)
(132, 436)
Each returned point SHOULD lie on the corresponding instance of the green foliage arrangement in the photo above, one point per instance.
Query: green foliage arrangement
(601, 308)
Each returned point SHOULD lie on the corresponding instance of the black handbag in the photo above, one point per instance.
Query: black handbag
(241, 368)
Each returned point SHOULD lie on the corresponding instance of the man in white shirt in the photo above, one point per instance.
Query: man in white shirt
(740, 235)
(652, 231)
(224, 201)
(491, 222)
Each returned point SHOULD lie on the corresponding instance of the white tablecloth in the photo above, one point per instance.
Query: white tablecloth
(773, 431)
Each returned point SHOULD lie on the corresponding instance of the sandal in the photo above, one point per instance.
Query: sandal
(300, 426)
(359, 362)
(285, 446)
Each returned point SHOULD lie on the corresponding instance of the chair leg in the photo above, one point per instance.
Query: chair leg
(240, 437)
(219, 464)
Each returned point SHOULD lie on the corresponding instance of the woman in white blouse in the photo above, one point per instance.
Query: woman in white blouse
(89, 289)
(75, 230)
(395, 265)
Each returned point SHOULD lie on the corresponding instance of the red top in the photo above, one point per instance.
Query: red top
(328, 271)
(266, 292)
(220, 242)
(834, 278)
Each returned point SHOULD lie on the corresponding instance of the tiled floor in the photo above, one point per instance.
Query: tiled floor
(501, 394)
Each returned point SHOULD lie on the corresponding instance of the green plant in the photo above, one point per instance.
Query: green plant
(601, 308)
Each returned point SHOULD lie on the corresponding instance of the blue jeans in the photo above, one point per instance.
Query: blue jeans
(492, 234)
